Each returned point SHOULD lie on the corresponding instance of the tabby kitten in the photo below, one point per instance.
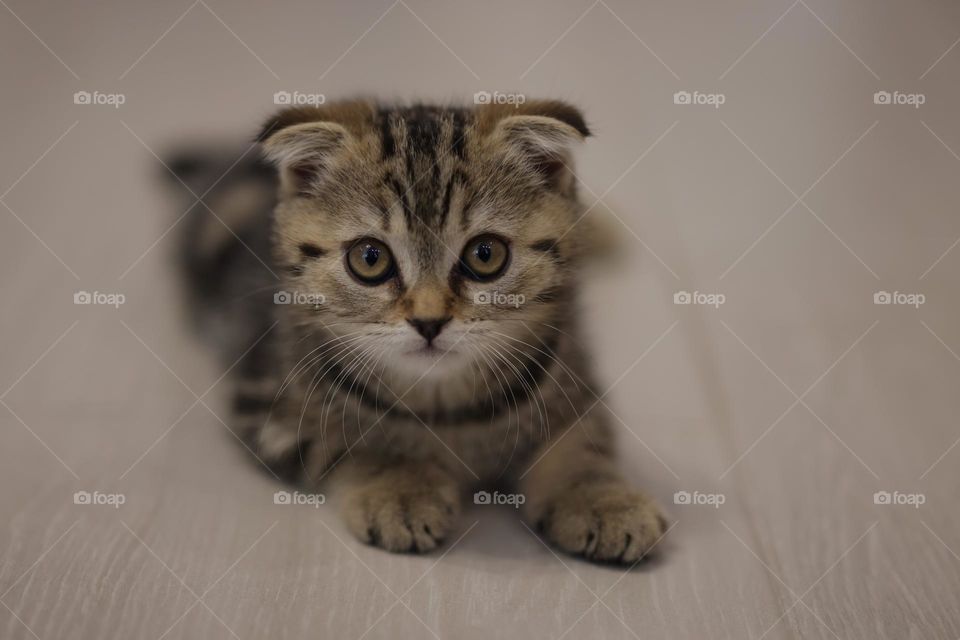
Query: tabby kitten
(410, 302)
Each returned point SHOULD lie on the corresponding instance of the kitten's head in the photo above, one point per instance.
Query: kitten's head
(429, 238)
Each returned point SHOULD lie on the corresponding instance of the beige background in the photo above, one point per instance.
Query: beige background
(797, 399)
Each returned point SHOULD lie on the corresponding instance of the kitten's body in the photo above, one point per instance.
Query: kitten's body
(337, 384)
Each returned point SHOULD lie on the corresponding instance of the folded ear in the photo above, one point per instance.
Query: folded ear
(542, 135)
(306, 143)
(304, 153)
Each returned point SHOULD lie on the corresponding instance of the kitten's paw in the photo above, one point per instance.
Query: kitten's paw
(401, 519)
(603, 523)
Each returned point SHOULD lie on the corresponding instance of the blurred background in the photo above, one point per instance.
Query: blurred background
(781, 336)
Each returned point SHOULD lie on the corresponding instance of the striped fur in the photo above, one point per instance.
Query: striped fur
(341, 385)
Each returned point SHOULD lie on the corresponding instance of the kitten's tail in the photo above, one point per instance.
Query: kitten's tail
(223, 253)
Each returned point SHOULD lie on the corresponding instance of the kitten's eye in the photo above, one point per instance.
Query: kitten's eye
(484, 257)
(370, 261)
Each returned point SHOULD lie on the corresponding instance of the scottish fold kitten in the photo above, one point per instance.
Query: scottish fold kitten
(396, 286)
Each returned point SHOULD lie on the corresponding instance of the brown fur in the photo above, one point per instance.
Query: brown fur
(344, 389)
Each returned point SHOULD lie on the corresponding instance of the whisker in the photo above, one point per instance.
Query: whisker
(546, 371)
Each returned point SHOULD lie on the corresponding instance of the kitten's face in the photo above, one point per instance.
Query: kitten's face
(429, 242)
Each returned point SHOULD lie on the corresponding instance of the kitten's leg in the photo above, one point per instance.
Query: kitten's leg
(398, 505)
(576, 498)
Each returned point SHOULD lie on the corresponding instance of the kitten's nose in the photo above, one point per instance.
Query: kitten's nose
(428, 328)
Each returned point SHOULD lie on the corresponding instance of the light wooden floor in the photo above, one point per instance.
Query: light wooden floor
(796, 400)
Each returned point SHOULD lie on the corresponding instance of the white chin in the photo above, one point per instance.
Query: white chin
(418, 359)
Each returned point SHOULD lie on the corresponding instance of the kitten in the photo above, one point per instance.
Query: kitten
(410, 303)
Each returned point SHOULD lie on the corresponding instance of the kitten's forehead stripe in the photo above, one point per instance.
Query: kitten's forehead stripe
(401, 193)
(466, 201)
(423, 127)
(458, 134)
(386, 135)
(383, 206)
(445, 206)
(423, 149)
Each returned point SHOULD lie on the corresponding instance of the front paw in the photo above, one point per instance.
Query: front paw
(401, 519)
(603, 523)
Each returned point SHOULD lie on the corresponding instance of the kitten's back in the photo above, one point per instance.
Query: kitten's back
(223, 253)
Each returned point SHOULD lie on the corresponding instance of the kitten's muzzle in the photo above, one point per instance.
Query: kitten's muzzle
(429, 328)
